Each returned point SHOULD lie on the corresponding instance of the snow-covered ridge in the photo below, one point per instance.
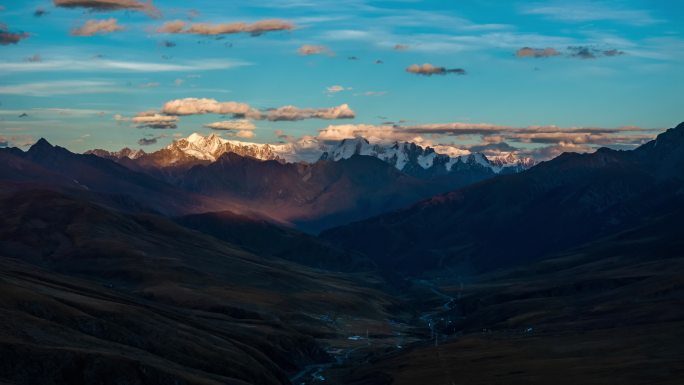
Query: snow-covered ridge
(405, 156)
(123, 153)
(398, 154)
(211, 147)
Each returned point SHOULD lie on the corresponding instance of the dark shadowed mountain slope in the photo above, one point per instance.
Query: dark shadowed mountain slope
(89, 178)
(57, 329)
(664, 156)
(358, 180)
(312, 196)
(57, 168)
(15, 168)
(608, 312)
(556, 205)
(90, 294)
(268, 239)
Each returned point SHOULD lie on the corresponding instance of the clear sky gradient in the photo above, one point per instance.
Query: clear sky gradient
(607, 64)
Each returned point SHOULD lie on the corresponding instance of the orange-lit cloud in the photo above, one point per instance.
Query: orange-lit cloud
(255, 29)
(175, 26)
(308, 49)
(536, 52)
(428, 69)
(93, 27)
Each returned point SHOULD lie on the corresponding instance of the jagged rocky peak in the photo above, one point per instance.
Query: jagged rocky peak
(131, 153)
(44, 149)
(42, 143)
(415, 159)
(123, 153)
(398, 154)
(511, 160)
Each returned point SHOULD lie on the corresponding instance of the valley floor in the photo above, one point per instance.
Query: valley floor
(575, 319)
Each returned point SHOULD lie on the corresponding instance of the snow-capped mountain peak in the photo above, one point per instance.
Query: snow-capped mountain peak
(417, 160)
(212, 146)
(408, 157)
(397, 154)
(123, 153)
(405, 156)
(511, 162)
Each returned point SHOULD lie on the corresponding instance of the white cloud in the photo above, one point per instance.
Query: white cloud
(245, 134)
(435, 42)
(194, 106)
(150, 85)
(73, 112)
(150, 119)
(336, 88)
(60, 87)
(451, 150)
(103, 65)
(371, 93)
(584, 11)
(238, 124)
(371, 132)
(295, 113)
(156, 121)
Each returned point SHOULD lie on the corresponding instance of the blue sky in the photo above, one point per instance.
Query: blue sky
(84, 91)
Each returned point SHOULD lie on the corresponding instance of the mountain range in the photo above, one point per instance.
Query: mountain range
(56, 168)
(409, 158)
(518, 218)
(349, 180)
(122, 268)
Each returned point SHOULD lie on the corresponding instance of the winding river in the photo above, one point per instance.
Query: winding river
(314, 373)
